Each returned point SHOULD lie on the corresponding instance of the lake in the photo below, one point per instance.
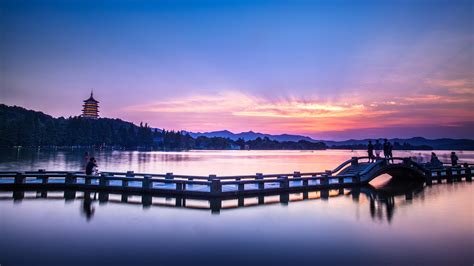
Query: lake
(385, 223)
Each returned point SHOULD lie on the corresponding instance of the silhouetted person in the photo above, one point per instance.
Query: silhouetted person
(454, 159)
(390, 151)
(370, 151)
(378, 148)
(385, 149)
(90, 166)
(435, 162)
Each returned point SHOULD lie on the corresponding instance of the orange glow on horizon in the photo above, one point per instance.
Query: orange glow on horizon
(236, 111)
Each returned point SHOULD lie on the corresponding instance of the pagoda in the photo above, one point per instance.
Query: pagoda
(90, 108)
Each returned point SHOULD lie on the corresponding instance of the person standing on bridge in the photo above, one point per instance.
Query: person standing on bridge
(390, 151)
(454, 159)
(370, 151)
(385, 149)
(378, 149)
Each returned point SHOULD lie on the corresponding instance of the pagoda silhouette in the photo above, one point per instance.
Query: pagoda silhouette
(90, 107)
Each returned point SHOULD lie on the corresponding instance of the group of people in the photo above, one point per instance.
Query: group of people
(378, 147)
(435, 162)
(374, 151)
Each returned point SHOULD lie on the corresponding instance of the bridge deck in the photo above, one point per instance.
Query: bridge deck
(353, 172)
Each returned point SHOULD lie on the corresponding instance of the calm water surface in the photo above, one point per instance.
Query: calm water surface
(386, 224)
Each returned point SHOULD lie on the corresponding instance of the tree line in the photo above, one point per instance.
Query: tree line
(27, 128)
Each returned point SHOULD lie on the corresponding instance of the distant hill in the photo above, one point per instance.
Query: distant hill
(250, 135)
(27, 128)
(437, 144)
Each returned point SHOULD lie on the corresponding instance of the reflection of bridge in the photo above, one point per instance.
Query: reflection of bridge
(354, 172)
(377, 198)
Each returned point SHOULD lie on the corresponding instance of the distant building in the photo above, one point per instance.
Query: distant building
(90, 108)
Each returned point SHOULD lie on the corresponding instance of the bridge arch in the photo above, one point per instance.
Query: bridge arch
(397, 171)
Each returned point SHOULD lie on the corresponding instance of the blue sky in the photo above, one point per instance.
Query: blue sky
(332, 69)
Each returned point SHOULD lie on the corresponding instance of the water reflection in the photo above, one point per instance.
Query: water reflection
(193, 162)
(383, 199)
(403, 227)
(87, 206)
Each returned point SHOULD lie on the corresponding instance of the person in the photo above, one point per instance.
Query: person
(378, 148)
(435, 162)
(91, 167)
(390, 151)
(385, 149)
(370, 151)
(454, 159)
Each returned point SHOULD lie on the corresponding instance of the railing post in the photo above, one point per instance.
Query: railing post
(284, 198)
(103, 197)
(169, 176)
(103, 181)
(146, 184)
(468, 172)
(179, 186)
(449, 175)
(18, 195)
(19, 178)
(355, 194)
(354, 161)
(356, 178)
(147, 200)
(261, 185)
(341, 180)
(215, 204)
(428, 177)
(87, 180)
(44, 179)
(129, 174)
(439, 176)
(179, 202)
(69, 195)
(216, 186)
(70, 179)
(285, 182)
(241, 201)
(240, 187)
(459, 175)
(324, 181)
(261, 200)
(324, 194)
(306, 182)
(124, 198)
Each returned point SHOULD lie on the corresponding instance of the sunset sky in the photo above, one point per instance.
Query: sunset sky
(326, 69)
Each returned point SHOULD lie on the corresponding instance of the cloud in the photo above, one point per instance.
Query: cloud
(239, 112)
(456, 87)
(239, 104)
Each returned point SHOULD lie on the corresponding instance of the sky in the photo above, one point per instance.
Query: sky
(325, 69)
